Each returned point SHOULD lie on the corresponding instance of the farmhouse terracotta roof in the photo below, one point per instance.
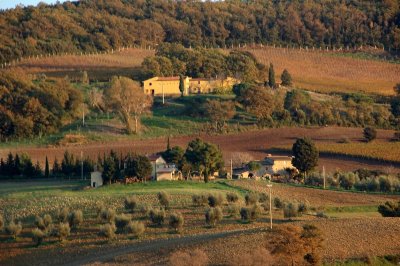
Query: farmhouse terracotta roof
(199, 79)
(168, 78)
(278, 158)
(153, 157)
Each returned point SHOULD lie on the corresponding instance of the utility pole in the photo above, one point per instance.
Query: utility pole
(163, 100)
(83, 115)
(82, 165)
(323, 176)
(231, 169)
(270, 204)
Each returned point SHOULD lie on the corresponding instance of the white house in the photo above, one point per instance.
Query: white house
(161, 170)
(95, 179)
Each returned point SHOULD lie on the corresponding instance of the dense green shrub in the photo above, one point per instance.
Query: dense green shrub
(347, 180)
(278, 203)
(251, 198)
(266, 206)
(321, 214)
(215, 200)
(63, 231)
(108, 230)
(121, 222)
(62, 215)
(314, 179)
(157, 217)
(291, 210)
(135, 228)
(232, 197)
(369, 134)
(199, 200)
(145, 210)
(131, 203)
(176, 221)
(164, 199)
(385, 184)
(213, 216)
(390, 209)
(263, 197)
(13, 229)
(249, 214)
(38, 236)
(233, 210)
(43, 223)
(303, 207)
(75, 218)
(108, 215)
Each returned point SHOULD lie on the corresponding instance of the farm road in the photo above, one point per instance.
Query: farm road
(104, 253)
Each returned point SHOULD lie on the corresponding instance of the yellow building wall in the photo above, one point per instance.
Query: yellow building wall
(280, 166)
(200, 86)
(154, 86)
(157, 87)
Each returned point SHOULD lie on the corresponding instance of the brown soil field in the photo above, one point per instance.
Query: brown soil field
(256, 143)
(317, 197)
(314, 70)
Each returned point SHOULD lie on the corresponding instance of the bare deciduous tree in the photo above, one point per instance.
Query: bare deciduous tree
(96, 99)
(240, 158)
(127, 99)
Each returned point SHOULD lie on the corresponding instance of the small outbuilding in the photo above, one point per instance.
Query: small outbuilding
(95, 179)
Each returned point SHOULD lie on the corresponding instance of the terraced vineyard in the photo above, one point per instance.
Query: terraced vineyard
(314, 70)
(329, 72)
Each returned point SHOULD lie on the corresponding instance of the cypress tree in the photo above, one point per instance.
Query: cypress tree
(46, 169)
(271, 76)
(181, 85)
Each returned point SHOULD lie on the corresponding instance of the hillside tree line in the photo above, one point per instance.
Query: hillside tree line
(104, 25)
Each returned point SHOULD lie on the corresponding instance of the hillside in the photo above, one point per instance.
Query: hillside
(313, 70)
(90, 26)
